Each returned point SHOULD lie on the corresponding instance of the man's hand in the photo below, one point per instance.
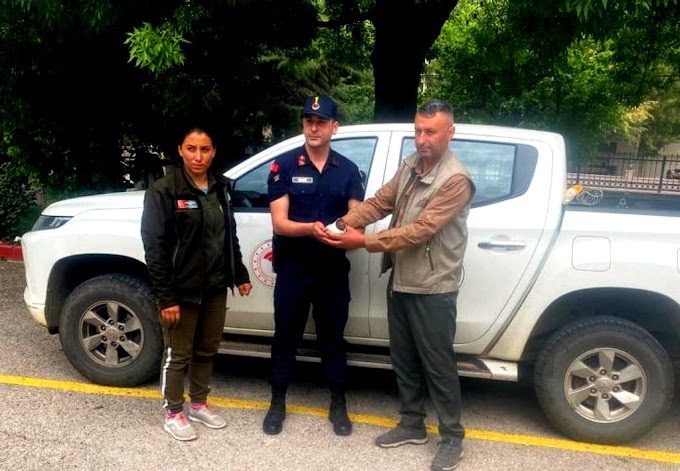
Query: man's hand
(350, 239)
(244, 289)
(170, 314)
(319, 231)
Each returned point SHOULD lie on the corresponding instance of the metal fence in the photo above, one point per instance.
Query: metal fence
(652, 174)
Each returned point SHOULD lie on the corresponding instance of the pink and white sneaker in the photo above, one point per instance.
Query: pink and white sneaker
(201, 412)
(177, 425)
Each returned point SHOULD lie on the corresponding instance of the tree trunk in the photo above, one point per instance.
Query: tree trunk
(404, 33)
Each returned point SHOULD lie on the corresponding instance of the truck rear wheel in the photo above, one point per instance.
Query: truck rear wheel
(110, 332)
(604, 380)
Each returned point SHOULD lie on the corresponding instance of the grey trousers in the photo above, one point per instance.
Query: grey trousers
(422, 328)
(190, 346)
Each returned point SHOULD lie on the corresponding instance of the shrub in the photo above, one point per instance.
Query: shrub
(16, 199)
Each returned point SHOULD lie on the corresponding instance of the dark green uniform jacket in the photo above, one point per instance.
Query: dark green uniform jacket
(175, 242)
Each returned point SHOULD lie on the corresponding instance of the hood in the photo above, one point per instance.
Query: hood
(75, 206)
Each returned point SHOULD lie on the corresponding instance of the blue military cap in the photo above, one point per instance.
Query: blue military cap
(320, 105)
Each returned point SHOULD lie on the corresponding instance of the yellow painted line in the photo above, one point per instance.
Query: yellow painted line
(568, 445)
(72, 386)
(231, 403)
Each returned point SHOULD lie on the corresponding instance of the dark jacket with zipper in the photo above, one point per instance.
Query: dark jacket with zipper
(173, 234)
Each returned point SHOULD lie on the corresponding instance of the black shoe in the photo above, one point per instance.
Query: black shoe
(337, 414)
(449, 455)
(273, 421)
(401, 436)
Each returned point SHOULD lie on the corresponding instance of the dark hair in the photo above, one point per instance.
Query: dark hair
(433, 107)
(197, 129)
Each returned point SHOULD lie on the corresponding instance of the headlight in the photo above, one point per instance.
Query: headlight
(50, 222)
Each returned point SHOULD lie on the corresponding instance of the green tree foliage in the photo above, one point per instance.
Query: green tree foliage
(540, 66)
(663, 126)
(67, 91)
(83, 79)
(16, 198)
(156, 49)
(374, 30)
(404, 31)
(588, 8)
(71, 100)
(648, 65)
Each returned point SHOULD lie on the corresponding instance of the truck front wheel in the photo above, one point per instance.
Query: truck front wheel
(604, 380)
(110, 332)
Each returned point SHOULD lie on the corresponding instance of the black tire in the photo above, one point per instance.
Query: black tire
(621, 388)
(110, 332)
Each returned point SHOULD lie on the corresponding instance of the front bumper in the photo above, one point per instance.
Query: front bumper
(37, 310)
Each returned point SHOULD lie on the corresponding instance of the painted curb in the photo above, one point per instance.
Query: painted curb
(11, 252)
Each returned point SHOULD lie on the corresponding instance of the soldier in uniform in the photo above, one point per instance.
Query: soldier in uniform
(193, 256)
(309, 188)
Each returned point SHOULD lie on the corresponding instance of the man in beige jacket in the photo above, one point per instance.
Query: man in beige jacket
(429, 200)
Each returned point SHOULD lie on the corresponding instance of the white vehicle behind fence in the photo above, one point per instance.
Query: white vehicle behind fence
(582, 300)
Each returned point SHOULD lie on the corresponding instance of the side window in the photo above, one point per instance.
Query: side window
(250, 190)
(359, 150)
(499, 171)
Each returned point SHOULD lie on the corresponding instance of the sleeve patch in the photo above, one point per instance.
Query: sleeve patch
(274, 168)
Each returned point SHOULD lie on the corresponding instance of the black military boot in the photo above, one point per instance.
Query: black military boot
(337, 413)
(273, 421)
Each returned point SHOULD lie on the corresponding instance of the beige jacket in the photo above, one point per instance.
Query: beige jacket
(428, 233)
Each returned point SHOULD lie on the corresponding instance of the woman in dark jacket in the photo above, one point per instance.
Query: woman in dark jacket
(193, 256)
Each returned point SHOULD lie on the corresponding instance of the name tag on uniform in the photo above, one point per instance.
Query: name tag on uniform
(303, 180)
(187, 204)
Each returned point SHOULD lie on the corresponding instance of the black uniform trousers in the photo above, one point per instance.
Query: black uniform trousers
(324, 287)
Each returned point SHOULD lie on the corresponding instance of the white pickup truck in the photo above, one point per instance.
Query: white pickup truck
(585, 301)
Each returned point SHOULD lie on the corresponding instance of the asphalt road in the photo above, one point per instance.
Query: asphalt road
(54, 419)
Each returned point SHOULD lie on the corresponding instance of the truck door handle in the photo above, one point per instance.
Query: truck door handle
(507, 245)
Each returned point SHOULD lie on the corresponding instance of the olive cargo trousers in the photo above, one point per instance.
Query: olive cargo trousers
(189, 348)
